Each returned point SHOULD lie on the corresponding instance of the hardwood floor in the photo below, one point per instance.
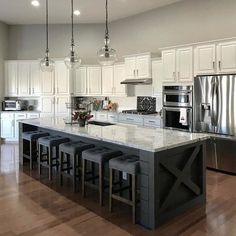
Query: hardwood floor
(33, 206)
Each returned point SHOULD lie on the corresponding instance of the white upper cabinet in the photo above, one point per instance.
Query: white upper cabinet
(178, 65)
(107, 80)
(130, 67)
(62, 78)
(80, 81)
(11, 81)
(35, 78)
(168, 58)
(24, 78)
(205, 59)
(119, 75)
(94, 78)
(184, 64)
(138, 66)
(157, 76)
(47, 81)
(226, 57)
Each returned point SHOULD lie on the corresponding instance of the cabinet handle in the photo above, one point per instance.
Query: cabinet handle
(134, 73)
(219, 65)
(33, 90)
(174, 75)
(214, 64)
(137, 72)
(151, 121)
(29, 91)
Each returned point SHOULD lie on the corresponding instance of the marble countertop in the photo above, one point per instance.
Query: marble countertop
(143, 138)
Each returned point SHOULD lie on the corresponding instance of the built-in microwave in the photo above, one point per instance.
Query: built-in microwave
(12, 105)
(177, 96)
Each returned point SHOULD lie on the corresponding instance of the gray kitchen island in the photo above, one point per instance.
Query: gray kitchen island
(172, 176)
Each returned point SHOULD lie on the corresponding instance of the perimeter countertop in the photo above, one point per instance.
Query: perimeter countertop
(143, 138)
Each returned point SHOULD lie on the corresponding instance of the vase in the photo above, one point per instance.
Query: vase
(81, 123)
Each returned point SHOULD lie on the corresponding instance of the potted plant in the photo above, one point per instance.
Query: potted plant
(81, 117)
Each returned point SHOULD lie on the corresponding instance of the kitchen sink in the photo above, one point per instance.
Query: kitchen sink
(99, 123)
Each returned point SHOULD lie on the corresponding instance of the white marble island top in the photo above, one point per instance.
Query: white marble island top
(140, 137)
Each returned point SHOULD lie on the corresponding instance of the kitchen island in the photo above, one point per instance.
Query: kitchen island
(172, 163)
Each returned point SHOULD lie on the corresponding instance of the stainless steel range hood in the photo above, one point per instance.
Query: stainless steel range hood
(137, 81)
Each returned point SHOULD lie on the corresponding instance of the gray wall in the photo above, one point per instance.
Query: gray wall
(183, 22)
(3, 55)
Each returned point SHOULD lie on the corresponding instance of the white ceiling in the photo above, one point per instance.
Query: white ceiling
(92, 11)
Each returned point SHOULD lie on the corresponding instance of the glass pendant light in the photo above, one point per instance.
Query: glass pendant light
(72, 61)
(107, 55)
(46, 64)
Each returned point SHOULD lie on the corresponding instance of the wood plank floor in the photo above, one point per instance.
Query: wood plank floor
(33, 206)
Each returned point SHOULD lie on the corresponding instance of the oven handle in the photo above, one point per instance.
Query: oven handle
(177, 93)
(175, 109)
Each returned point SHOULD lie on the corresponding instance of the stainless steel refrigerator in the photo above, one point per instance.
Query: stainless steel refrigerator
(215, 104)
(215, 112)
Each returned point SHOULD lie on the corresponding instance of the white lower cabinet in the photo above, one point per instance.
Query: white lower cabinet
(131, 119)
(152, 122)
(101, 116)
(7, 126)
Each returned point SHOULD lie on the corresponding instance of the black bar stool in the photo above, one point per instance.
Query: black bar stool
(128, 164)
(70, 160)
(97, 155)
(32, 137)
(46, 159)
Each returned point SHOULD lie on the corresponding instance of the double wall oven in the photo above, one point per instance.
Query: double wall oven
(178, 107)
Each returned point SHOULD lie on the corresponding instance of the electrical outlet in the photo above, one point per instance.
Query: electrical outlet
(124, 176)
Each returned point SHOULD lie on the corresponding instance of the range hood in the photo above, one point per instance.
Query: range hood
(137, 81)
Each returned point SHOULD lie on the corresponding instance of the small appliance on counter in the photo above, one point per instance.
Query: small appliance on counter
(178, 107)
(13, 105)
(145, 106)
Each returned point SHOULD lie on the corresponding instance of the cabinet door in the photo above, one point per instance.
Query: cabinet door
(47, 106)
(168, 59)
(119, 76)
(60, 106)
(143, 66)
(35, 78)
(62, 77)
(18, 116)
(47, 83)
(7, 128)
(80, 79)
(184, 64)
(205, 59)
(107, 80)
(94, 76)
(157, 77)
(226, 57)
(11, 78)
(130, 67)
(24, 78)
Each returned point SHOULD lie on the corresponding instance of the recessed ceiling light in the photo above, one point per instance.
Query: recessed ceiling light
(76, 12)
(35, 3)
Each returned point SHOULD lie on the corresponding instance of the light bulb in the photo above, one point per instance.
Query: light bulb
(46, 64)
(73, 60)
(107, 56)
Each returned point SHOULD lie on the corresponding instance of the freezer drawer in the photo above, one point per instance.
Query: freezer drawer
(221, 154)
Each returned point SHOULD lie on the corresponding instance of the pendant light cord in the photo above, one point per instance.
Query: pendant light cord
(107, 30)
(72, 26)
(47, 46)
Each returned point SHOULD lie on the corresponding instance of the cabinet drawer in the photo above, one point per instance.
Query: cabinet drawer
(152, 122)
(7, 115)
(33, 115)
(131, 119)
(101, 116)
(112, 117)
(20, 116)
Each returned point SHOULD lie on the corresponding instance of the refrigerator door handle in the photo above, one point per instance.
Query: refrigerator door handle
(213, 112)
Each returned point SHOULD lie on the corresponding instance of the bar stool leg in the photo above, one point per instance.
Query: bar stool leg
(61, 167)
(134, 198)
(31, 156)
(120, 183)
(74, 172)
(111, 190)
(50, 162)
(101, 184)
(39, 159)
(83, 176)
(130, 189)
